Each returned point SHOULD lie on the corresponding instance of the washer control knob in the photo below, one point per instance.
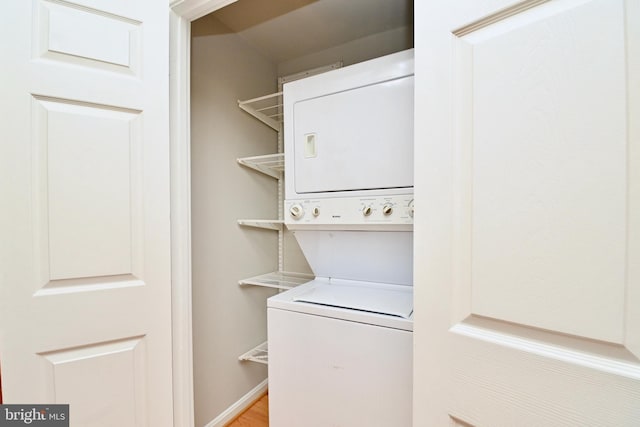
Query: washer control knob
(387, 209)
(411, 209)
(296, 211)
(316, 211)
(366, 211)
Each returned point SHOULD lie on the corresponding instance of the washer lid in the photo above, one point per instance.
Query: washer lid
(392, 300)
(384, 257)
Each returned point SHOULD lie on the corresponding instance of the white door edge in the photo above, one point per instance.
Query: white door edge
(182, 13)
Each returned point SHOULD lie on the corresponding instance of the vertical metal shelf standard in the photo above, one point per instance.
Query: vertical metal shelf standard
(271, 165)
(268, 109)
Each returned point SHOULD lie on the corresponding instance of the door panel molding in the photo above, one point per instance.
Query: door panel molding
(518, 263)
(604, 357)
(112, 169)
(498, 16)
(90, 373)
(527, 227)
(63, 31)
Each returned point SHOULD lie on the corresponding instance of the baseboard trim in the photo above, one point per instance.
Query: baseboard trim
(237, 408)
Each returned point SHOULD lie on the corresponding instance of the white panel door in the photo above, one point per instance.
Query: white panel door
(527, 227)
(84, 162)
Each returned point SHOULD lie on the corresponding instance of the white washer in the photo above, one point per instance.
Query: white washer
(340, 366)
(340, 346)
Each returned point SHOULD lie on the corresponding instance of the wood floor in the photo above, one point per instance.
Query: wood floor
(256, 416)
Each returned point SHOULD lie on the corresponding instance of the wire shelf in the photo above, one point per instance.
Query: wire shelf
(259, 354)
(278, 280)
(267, 224)
(269, 164)
(267, 109)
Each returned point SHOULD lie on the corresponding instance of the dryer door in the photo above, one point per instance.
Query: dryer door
(355, 139)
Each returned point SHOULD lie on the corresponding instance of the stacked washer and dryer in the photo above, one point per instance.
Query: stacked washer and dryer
(340, 346)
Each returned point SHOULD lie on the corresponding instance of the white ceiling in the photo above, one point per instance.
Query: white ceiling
(287, 29)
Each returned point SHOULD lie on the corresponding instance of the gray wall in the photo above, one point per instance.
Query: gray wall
(228, 319)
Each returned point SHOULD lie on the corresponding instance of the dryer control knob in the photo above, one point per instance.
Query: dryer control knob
(366, 211)
(296, 211)
(316, 211)
(387, 210)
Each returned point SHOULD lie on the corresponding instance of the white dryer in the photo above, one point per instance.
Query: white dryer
(340, 346)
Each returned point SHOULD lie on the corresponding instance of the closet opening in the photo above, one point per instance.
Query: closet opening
(241, 254)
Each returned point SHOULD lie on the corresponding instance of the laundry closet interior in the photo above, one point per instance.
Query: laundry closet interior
(245, 52)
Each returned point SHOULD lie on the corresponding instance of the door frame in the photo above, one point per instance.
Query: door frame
(182, 13)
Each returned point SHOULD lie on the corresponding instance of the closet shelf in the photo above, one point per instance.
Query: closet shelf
(278, 280)
(268, 224)
(267, 109)
(258, 354)
(270, 164)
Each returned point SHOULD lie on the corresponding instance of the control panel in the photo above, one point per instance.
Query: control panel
(384, 210)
